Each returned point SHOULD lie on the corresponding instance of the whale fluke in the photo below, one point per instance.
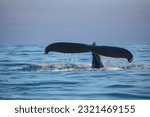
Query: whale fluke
(108, 51)
(115, 52)
(66, 47)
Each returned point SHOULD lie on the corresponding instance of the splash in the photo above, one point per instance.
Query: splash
(137, 67)
(109, 68)
(57, 67)
(79, 67)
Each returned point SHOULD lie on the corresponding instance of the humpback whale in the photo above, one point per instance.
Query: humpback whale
(66, 47)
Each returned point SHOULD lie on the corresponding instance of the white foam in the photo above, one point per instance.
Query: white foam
(108, 68)
(79, 67)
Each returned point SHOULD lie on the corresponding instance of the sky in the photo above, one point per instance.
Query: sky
(83, 21)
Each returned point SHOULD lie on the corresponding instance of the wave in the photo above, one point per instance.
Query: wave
(79, 67)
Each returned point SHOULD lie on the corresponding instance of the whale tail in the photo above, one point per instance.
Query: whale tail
(96, 59)
(108, 51)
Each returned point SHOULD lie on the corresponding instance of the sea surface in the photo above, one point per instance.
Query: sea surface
(27, 74)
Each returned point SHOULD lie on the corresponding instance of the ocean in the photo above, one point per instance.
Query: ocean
(27, 74)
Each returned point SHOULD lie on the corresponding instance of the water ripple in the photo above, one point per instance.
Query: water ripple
(120, 86)
(126, 96)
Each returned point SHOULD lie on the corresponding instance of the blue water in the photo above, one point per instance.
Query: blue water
(26, 73)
